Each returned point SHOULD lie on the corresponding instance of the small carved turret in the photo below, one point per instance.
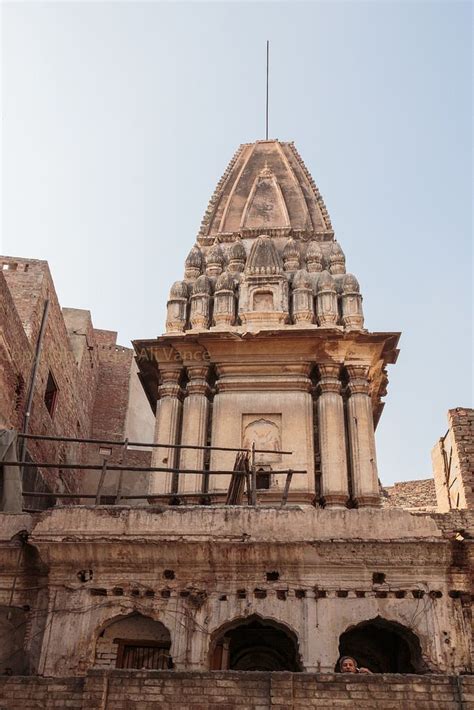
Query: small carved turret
(337, 260)
(314, 257)
(237, 257)
(352, 314)
(215, 260)
(200, 303)
(193, 264)
(224, 300)
(326, 300)
(303, 308)
(176, 307)
(264, 258)
(291, 255)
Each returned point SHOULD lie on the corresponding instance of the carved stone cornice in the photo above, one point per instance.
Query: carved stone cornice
(329, 378)
(358, 379)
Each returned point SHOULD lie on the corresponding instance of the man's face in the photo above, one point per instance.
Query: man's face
(348, 666)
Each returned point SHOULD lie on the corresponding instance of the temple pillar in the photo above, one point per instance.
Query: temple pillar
(365, 483)
(167, 428)
(194, 429)
(332, 440)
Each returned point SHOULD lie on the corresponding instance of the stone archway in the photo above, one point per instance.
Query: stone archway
(133, 641)
(383, 646)
(255, 644)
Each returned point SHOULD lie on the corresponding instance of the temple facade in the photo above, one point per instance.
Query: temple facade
(265, 344)
(158, 590)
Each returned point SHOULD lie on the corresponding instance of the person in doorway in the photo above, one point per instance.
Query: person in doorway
(348, 664)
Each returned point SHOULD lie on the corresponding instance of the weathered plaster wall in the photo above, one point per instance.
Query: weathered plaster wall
(197, 569)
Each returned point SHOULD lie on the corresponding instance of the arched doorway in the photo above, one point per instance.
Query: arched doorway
(255, 644)
(383, 646)
(134, 641)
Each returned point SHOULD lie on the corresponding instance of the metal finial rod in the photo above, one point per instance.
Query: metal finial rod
(266, 107)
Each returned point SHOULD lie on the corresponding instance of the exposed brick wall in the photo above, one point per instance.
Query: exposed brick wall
(461, 421)
(15, 360)
(169, 690)
(112, 393)
(92, 374)
(411, 495)
(453, 462)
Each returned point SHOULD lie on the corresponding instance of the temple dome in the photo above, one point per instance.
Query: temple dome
(326, 282)
(266, 187)
(225, 282)
(215, 255)
(179, 290)
(302, 279)
(350, 284)
(237, 251)
(202, 285)
(194, 258)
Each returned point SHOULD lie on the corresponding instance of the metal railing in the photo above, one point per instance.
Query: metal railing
(204, 497)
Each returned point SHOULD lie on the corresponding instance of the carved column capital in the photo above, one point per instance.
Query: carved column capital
(329, 378)
(169, 386)
(198, 380)
(358, 379)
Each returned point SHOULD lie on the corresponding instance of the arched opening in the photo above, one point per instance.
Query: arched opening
(255, 644)
(134, 641)
(383, 647)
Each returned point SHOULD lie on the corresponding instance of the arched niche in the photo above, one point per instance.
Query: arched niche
(255, 644)
(133, 641)
(13, 657)
(383, 646)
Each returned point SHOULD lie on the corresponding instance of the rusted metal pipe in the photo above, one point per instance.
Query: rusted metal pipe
(105, 442)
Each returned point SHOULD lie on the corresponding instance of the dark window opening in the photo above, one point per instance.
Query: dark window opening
(256, 645)
(383, 647)
(263, 480)
(51, 394)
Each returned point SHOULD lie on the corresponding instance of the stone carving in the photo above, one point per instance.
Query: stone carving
(176, 307)
(193, 264)
(265, 205)
(237, 256)
(352, 315)
(337, 260)
(263, 301)
(224, 301)
(291, 255)
(264, 430)
(200, 303)
(314, 257)
(214, 260)
(326, 300)
(266, 237)
(303, 310)
(264, 258)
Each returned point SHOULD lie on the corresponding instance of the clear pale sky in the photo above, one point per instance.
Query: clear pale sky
(119, 119)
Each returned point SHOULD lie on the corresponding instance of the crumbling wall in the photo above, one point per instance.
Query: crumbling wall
(453, 462)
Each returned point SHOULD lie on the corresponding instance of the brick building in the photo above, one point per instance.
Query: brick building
(86, 385)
